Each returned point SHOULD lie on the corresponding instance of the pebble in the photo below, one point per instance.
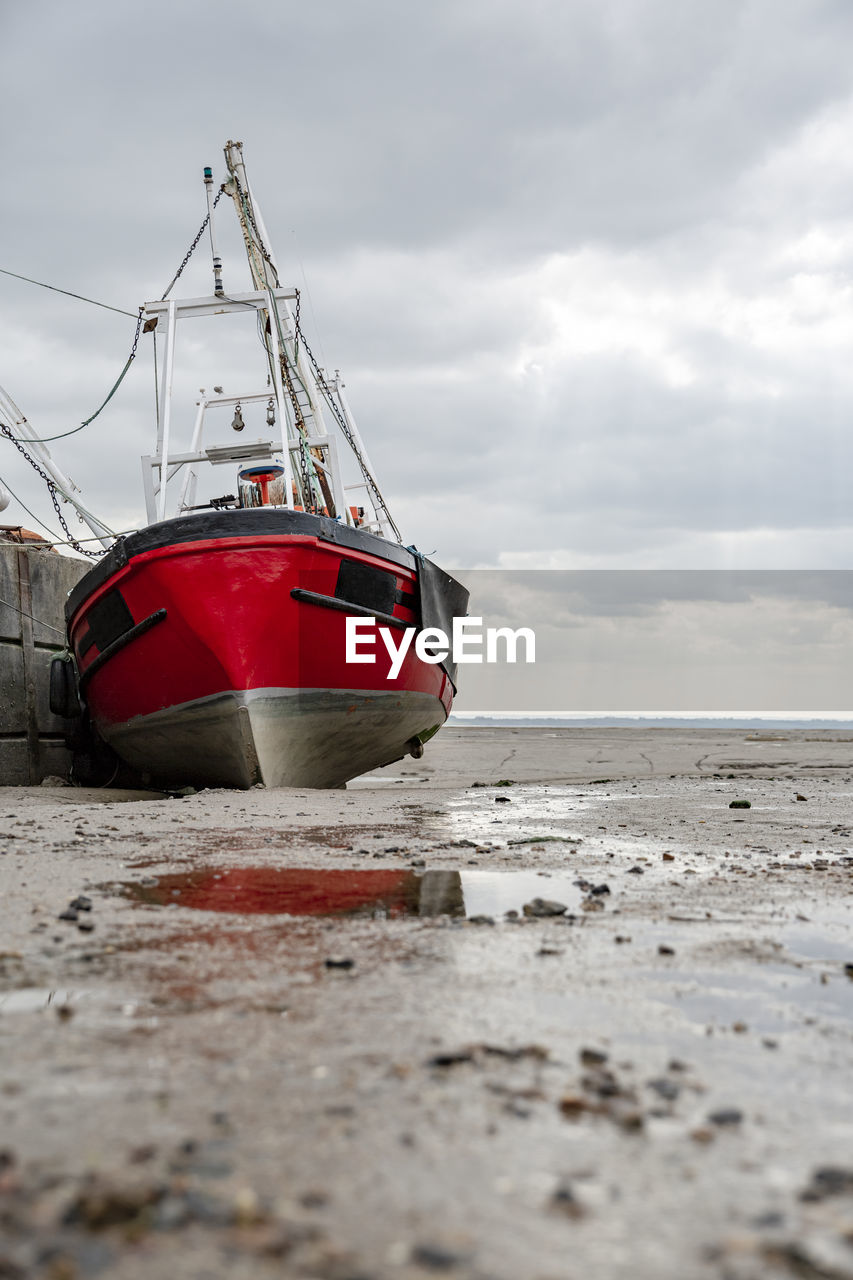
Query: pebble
(726, 1117)
(81, 903)
(172, 1212)
(741, 804)
(435, 1257)
(664, 950)
(339, 962)
(141, 1155)
(593, 1057)
(539, 907)
(603, 1083)
(767, 1221)
(573, 1105)
(100, 1207)
(70, 913)
(666, 1089)
(829, 1180)
(450, 1058)
(314, 1198)
(565, 1201)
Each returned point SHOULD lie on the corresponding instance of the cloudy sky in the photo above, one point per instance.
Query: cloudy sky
(714, 641)
(585, 264)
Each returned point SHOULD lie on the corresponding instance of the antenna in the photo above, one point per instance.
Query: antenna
(217, 261)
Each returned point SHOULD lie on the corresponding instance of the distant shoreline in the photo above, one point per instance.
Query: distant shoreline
(651, 720)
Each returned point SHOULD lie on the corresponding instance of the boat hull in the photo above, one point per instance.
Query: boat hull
(211, 650)
(277, 737)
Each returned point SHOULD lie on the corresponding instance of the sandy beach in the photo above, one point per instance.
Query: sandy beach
(229, 1061)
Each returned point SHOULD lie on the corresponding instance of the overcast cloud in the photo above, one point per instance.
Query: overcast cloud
(614, 641)
(586, 267)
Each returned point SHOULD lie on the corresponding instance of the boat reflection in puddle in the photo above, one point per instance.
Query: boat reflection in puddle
(380, 893)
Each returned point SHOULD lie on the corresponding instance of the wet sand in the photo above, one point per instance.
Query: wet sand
(653, 1083)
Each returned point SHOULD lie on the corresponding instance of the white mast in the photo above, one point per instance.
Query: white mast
(20, 427)
(297, 387)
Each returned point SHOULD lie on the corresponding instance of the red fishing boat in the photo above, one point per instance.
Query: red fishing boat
(210, 647)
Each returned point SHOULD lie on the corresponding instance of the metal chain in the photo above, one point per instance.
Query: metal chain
(343, 424)
(307, 488)
(308, 496)
(297, 330)
(303, 448)
(300, 422)
(51, 488)
(189, 253)
(136, 335)
(250, 214)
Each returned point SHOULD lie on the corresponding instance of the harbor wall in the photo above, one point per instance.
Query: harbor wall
(33, 587)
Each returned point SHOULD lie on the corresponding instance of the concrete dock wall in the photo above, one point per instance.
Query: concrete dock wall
(33, 587)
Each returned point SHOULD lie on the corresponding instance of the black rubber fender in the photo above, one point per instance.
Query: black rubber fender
(64, 691)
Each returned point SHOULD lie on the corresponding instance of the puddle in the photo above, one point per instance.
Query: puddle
(813, 944)
(480, 814)
(768, 1001)
(37, 999)
(804, 984)
(374, 894)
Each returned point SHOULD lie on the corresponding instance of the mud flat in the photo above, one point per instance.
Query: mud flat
(317, 1034)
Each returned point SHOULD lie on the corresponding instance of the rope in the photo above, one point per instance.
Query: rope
(62, 435)
(52, 488)
(9, 605)
(26, 508)
(347, 434)
(80, 297)
(119, 380)
(66, 543)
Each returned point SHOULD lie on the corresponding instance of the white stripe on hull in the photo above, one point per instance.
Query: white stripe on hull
(279, 737)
